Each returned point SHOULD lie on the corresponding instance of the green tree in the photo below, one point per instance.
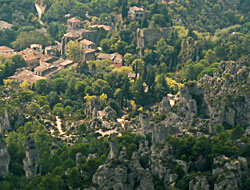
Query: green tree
(74, 51)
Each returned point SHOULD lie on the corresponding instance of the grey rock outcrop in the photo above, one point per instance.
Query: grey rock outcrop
(78, 161)
(145, 124)
(4, 121)
(164, 106)
(92, 107)
(4, 158)
(200, 182)
(192, 102)
(32, 160)
(226, 94)
(229, 172)
(114, 147)
(124, 175)
(109, 113)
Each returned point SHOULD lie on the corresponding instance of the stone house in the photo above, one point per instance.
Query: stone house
(87, 44)
(22, 75)
(44, 69)
(5, 25)
(32, 60)
(74, 24)
(147, 37)
(116, 58)
(37, 47)
(136, 13)
(89, 54)
(6, 50)
(51, 50)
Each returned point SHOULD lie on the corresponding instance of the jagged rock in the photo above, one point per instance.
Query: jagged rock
(114, 147)
(200, 182)
(145, 123)
(4, 158)
(109, 113)
(95, 123)
(229, 172)
(78, 161)
(32, 160)
(164, 106)
(192, 103)
(226, 181)
(92, 107)
(109, 177)
(4, 121)
(229, 116)
(123, 154)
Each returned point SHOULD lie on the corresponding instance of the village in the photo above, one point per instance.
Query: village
(46, 62)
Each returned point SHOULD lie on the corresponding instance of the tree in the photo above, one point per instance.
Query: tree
(49, 179)
(25, 39)
(41, 86)
(159, 20)
(162, 88)
(128, 58)
(138, 66)
(74, 51)
(59, 85)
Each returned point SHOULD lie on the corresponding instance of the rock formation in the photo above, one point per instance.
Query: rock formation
(114, 147)
(32, 160)
(4, 158)
(4, 121)
(109, 113)
(78, 161)
(164, 106)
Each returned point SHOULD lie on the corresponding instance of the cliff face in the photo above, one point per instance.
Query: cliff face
(227, 93)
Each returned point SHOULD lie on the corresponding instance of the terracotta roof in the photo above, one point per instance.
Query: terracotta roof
(30, 57)
(105, 56)
(4, 25)
(43, 67)
(72, 34)
(131, 75)
(86, 51)
(66, 62)
(5, 48)
(135, 8)
(105, 27)
(27, 75)
(30, 54)
(45, 58)
(86, 42)
(74, 19)
(117, 59)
